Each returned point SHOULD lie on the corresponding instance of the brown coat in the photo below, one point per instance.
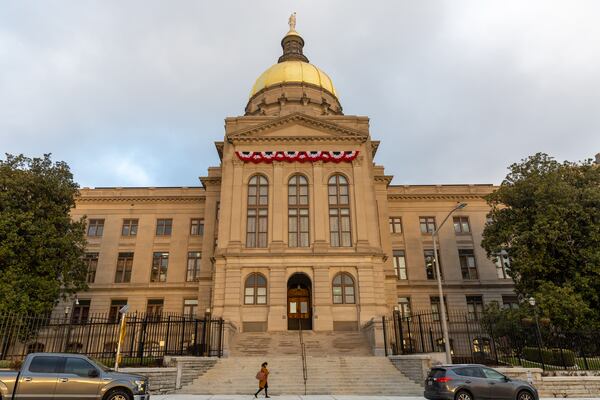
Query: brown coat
(263, 382)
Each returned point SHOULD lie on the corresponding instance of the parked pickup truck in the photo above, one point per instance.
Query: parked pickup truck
(61, 376)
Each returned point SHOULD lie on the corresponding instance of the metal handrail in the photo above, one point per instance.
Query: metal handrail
(303, 355)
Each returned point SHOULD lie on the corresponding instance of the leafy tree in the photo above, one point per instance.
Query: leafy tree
(41, 247)
(546, 215)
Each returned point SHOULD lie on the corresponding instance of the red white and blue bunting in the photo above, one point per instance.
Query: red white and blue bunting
(296, 156)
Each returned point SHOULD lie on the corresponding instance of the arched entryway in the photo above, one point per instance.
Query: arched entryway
(299, 305)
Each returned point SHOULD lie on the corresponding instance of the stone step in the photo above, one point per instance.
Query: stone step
(361, 375)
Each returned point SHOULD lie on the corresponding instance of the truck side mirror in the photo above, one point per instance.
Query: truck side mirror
(93, 373)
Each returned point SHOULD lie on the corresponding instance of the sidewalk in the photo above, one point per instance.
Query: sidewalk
(298, 397)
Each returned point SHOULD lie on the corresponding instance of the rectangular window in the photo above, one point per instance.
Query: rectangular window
(190, 307)
(400, 264)
(474, 307)
(95, 227)
(193, 266)
(256, 230)
(298, 227)
(81, 311)
(115, 306)
(91, 260)
(160, 264)
(510, 302)
(435, 307)
(430, 266)
(339, 225)
(468, 267)
(502, 265)
(427, 224)
(461, 225)
(130, 227)
(404, 307)
(124, 267)
(154, 308)
(196, 227)
(395, 225)
(164, 227)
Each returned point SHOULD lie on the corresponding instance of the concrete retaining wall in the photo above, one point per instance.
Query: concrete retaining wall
(557, 386)
(416, 366)
(160, 380)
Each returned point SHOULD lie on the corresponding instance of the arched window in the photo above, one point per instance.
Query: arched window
(340, 233)
(343, 289)
(298, 232)
(258, 209)
(255, 290)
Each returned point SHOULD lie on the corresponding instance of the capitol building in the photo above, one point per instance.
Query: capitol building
(298, 226)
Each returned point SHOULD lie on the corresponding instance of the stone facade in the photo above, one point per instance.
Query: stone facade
(252, 285)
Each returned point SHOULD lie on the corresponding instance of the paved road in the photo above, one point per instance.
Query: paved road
(297, 397)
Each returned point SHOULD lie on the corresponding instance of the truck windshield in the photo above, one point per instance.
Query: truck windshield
(100, 365)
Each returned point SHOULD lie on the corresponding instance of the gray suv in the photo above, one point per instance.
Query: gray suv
(474, 382)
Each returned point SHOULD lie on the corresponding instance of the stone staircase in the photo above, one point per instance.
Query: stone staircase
(337, 363)
(287, 343)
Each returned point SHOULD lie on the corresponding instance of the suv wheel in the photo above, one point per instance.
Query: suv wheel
(464, 395)
(120, 394)
(524, 395)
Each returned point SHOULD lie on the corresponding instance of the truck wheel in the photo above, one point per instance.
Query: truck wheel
(118, 394)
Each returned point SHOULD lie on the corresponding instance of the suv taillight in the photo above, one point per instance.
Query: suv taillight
(443, 380)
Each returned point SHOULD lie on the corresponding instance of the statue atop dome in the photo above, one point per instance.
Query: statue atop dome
(292, 22)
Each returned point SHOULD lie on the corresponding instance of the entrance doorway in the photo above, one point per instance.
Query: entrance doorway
(299, 305)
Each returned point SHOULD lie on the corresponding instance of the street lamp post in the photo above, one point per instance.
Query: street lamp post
(439, 282)
(531, 301)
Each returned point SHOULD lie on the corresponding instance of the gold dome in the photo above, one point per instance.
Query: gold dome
(293, 71)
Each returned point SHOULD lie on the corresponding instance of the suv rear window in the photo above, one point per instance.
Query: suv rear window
(437, 373)
(46, 364)
(469, 371)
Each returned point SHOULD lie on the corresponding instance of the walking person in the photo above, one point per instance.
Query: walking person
(263, 376)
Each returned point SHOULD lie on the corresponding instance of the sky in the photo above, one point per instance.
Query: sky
(134, 93)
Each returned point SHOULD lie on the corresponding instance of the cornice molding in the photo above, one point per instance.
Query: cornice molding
(387, 179)
(341, 132)
(374, 147)
(436, 196)
(139, 199)
(210, 181)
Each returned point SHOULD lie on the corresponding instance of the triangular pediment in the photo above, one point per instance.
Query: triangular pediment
(297, 126)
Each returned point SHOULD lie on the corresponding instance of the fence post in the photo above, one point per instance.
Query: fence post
(493, 341)
(183, 323)
(410, 340)
(168, 334)
(221, 334)
(385, 340)
(195, 348)
(395, 321)
(421, 334)
(401, 344)
(470, 343)
(537, 340)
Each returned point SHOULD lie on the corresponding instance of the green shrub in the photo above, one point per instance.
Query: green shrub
(550, 356)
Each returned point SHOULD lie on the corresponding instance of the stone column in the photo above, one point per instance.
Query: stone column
(320, 208)
(277, 300)
(278, 208)
(361, 205)
(237, 198)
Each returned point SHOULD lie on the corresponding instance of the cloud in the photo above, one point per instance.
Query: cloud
(456, 90)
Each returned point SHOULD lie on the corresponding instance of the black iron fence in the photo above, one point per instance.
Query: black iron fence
(148, 337)
(475, 339)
